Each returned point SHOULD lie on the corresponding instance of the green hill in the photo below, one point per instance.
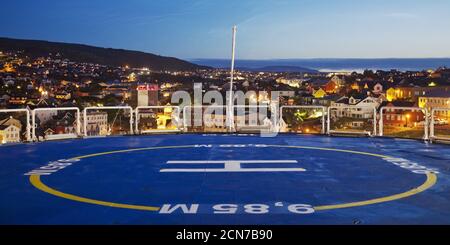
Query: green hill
(97, 55)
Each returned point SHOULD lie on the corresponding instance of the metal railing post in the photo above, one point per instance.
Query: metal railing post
(381, 121)
(85, 122)
(426, 124)
(432, 124)
(324, 110)
(33, 125)
(78, 119)
(329, 120)
(375, 121)
(28, 133)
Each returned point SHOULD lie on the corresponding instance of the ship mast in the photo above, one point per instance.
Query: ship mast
(231, 100)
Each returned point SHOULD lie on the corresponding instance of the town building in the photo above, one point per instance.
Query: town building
(97, 123)
(10, 129)
(331, 87)
(401, 117)
(356, 106)
(320, 93)
(145, 95)
(412, 93)
(436, 99)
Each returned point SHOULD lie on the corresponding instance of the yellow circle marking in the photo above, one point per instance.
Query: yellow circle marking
(35, 180)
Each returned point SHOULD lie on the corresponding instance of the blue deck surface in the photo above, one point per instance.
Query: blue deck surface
(337, 171)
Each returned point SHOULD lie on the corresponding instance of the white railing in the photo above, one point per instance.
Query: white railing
(429, 127)
(187, 116)
(28, 126)
(176, 118)
(271, 127)
(374, 109)
(433, 122)
(57, 136)
(323, 108)
(222, 120)
(412, 109)
(106, 108)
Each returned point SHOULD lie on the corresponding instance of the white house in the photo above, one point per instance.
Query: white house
(10, 130)
(97, 123)
(355, 107)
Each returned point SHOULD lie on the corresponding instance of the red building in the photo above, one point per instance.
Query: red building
(401, 117)
(146, 95)
(331, 87)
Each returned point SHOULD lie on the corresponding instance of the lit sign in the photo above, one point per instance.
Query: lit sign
(148, 87)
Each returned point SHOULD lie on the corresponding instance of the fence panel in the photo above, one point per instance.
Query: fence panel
(303, 119)
(15, 126)
(352, 120)
(440, 124)
(404, 122)
(55, 123)
(255, 119)
(107, 120)
(205, 118)
(63, 123)
(157, 119)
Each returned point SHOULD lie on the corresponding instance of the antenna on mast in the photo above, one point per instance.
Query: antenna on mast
(231, 100)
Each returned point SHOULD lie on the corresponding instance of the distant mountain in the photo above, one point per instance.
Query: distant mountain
(97, 55)
(279, 69)
(401, 64)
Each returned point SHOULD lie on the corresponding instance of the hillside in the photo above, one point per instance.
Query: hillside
(91, 54)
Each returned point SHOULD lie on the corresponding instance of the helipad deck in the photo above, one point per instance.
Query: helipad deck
(225, 179)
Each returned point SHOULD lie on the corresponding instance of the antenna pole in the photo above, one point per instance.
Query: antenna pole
(231, 100)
